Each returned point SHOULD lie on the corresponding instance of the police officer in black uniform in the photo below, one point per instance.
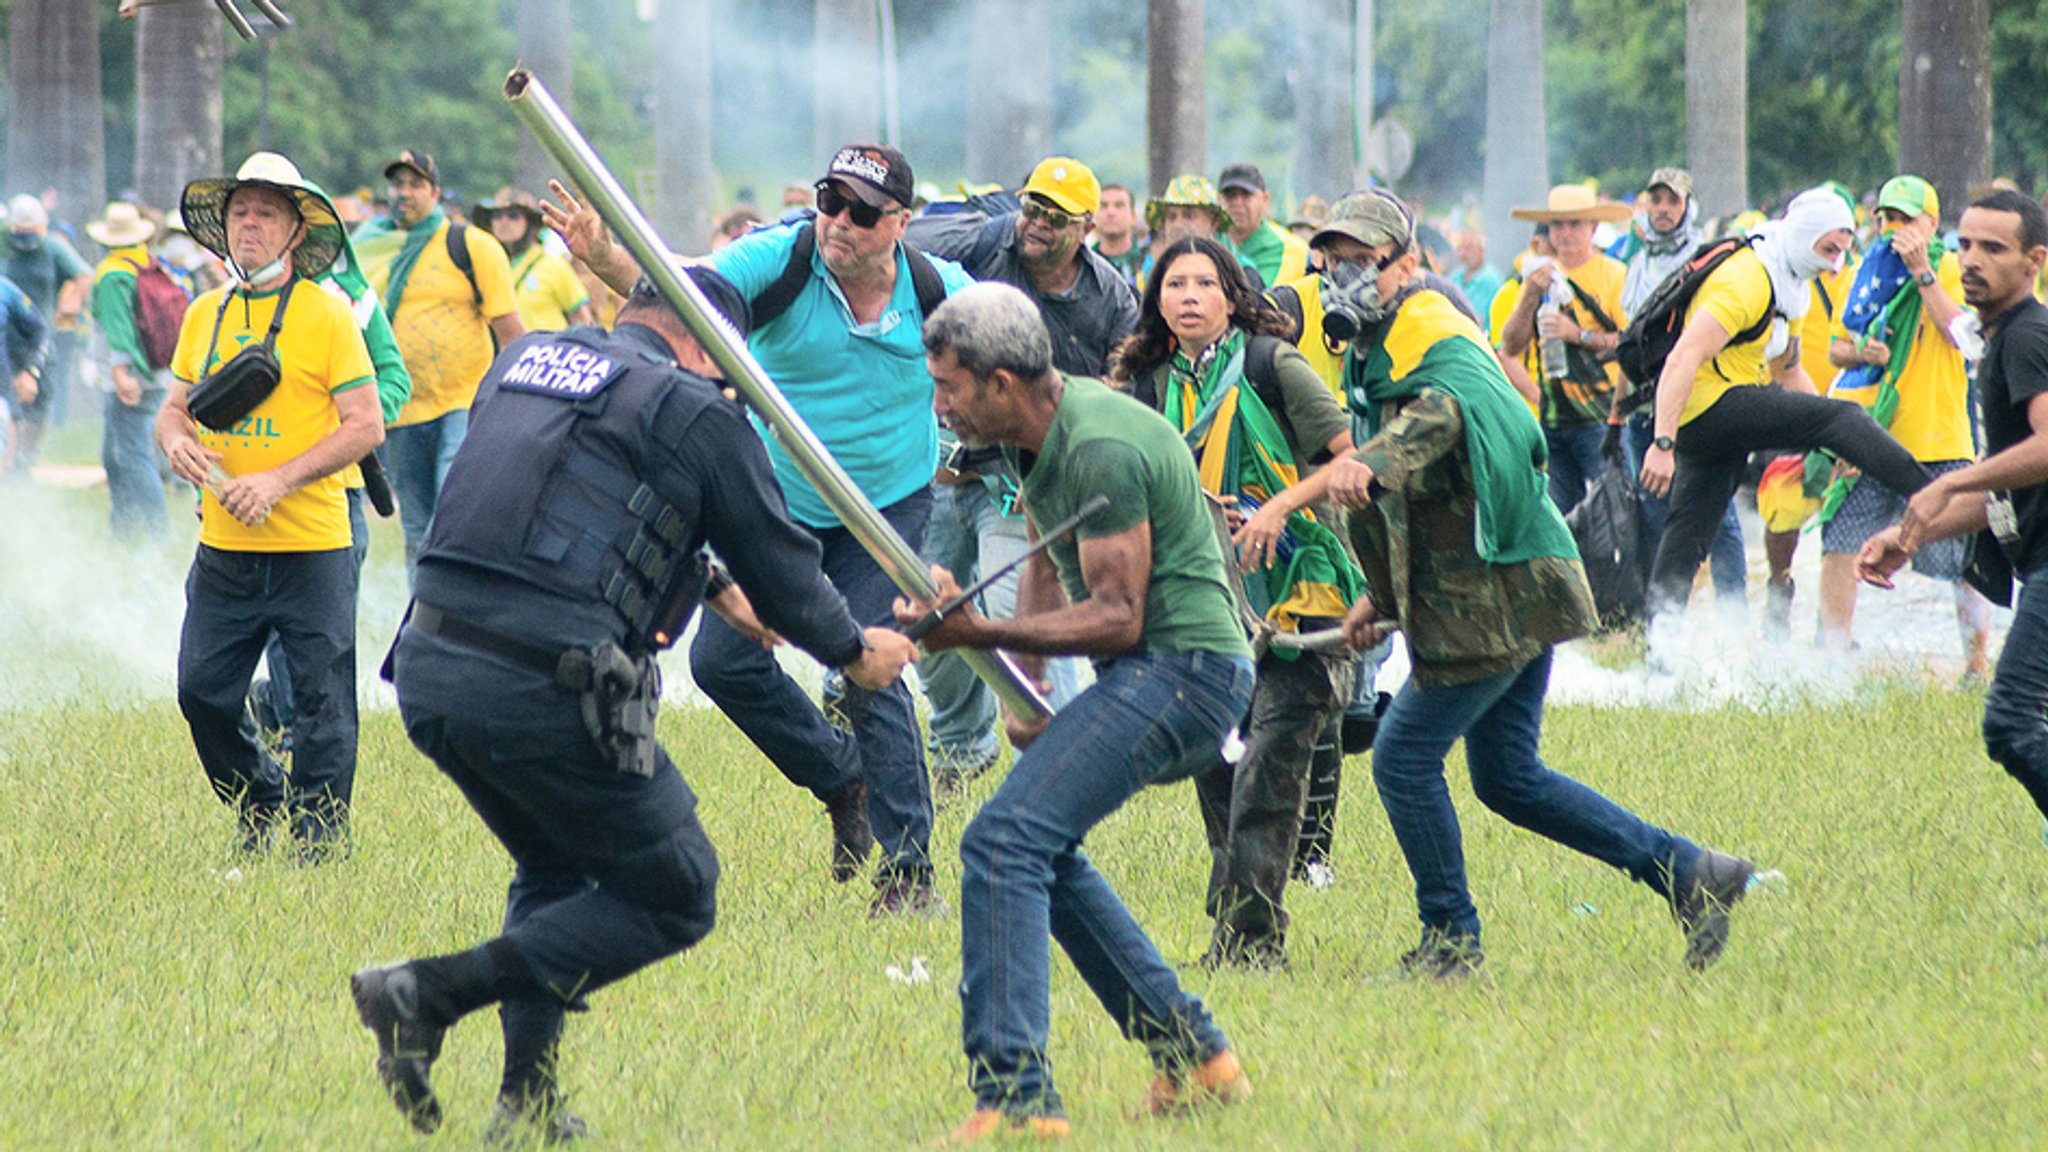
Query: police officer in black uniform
(566, 549)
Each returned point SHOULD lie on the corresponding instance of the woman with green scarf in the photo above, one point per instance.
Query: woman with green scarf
(1460, 543)
(1216, 359)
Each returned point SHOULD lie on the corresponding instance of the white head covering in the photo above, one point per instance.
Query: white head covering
(1786, 245)
(25, 214)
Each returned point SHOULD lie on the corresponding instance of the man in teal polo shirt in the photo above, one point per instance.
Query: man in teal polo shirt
(845, 349)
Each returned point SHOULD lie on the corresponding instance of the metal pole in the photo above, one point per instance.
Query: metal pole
(552, 127)
(892, 120)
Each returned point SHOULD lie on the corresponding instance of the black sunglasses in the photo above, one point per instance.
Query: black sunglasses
(831, 202)
(1053, 217)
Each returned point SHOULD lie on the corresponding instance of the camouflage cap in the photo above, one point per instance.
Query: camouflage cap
(1188, 190)
(1370, 216)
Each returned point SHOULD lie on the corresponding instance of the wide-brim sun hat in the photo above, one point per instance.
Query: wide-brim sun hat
(508, 200)
(120, 225)
(1186, 191)
(1575, 202)
(205, 205)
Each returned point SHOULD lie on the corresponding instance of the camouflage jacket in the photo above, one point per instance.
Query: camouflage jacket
(1465, 619)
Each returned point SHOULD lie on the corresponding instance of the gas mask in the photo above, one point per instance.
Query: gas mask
(1351, 298)
(25, 241)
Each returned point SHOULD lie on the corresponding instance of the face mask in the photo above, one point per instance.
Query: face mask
(1810, 263)
(261, 275)
(1351, 299)
(25, 241)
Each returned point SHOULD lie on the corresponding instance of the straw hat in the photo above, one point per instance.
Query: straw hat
(1574, 202)
(120, 225)
(205, 204)
(508, 199)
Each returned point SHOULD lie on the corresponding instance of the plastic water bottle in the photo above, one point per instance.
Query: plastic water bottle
(1556, 360)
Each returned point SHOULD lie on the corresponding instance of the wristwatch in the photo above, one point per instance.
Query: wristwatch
(1926, 278)
(1665, 443)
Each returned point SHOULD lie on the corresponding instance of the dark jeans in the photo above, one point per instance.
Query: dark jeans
(234, 601)
(1713, 449)
(1575, 462)
(1148, 719)
(417, 457)
(135, 484)
(2016, 708)
(884, 750)
(612, 872)
(1253, 812)
(1727, 561)
(279, 687)
(1501, 720)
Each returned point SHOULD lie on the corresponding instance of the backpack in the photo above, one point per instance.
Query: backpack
(458, 255)
(1651, 335)
(775, 299)
(160, 303)
(1615, 548)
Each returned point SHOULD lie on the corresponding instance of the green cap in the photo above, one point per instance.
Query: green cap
(1910, 196)
(1372, 216)
(1186, 191)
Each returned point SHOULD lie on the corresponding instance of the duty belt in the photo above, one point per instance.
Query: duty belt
(570, 668)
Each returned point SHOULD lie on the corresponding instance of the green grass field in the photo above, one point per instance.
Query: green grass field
(155, 992)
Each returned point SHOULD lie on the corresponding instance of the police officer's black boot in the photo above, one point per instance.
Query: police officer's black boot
(530, 1104)
(409, 1008)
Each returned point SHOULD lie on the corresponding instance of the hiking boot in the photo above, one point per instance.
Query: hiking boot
(520, 1123)
(905, 894)
(1443, 958)
(1216, 1082)
(851, 839)
(1702, 903)
(1778, 611)
(986, 1124)
(387, 1000)
(1229, 948)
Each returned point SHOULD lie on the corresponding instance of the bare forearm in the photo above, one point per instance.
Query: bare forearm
(340, 448)
(1090, 628)
(1520, 328)
(2023, 465)
(1940, 308)
(1674, 388)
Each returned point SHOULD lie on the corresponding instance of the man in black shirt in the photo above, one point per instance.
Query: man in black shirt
(565, 551)
(2004, 497)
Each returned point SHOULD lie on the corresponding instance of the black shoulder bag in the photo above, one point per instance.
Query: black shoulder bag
(222, 398)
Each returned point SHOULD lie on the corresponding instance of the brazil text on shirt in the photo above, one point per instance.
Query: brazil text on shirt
(559, 369)
(862, 388)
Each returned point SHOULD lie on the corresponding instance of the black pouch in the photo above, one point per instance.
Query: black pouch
(229, 393)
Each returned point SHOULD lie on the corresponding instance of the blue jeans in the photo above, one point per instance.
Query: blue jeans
(135, 485)
(1575, 462)
(774, 712)
(969, 535)
(418, 456)
(2016, 707)
(1726, 562)
(1148, 719)
(1501, 719)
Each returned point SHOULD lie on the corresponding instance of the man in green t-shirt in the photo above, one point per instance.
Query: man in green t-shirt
(1139, 587)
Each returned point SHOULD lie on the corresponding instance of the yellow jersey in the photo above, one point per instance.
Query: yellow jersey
(1932, 420)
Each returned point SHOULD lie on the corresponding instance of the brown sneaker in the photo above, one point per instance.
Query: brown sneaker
(1702, 903)
(851, 839)
(986, 1124)
(1218, 1082)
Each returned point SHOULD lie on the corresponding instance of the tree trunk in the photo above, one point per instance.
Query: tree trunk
(1323, 131)
(1009, 107)
(1517, 150)
(1717, 104)
(546, 39)
(1175, 117)
(847, 77)
(682, 125)
(177, 100)
(1945, 97)
(56, 134)
(1365, 49)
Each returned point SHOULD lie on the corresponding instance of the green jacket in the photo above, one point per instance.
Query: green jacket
(1464, 619)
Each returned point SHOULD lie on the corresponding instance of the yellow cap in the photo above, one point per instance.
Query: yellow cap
(1066, 182)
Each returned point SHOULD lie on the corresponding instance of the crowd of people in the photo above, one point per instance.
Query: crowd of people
(1282, 444)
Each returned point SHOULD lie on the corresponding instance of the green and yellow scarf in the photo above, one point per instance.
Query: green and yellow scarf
(1242, 452)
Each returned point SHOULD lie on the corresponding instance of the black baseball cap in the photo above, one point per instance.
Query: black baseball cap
(1242, 175)
(876, 173)
(419, 161)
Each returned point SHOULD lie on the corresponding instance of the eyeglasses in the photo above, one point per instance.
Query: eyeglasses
(1052, 217)
(831, 202)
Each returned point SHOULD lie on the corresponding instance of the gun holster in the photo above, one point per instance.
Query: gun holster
(620, 696)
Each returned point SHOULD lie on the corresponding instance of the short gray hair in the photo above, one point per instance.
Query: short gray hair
(989, 326)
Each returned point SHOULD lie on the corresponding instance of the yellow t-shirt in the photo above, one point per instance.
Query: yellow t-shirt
(547, 289)
(1824, 298)
(1314, 347)
(1933, 418)
(321, 354)
(1736, 295)
(1600, 277)
(1497, 314)
(442, 332)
